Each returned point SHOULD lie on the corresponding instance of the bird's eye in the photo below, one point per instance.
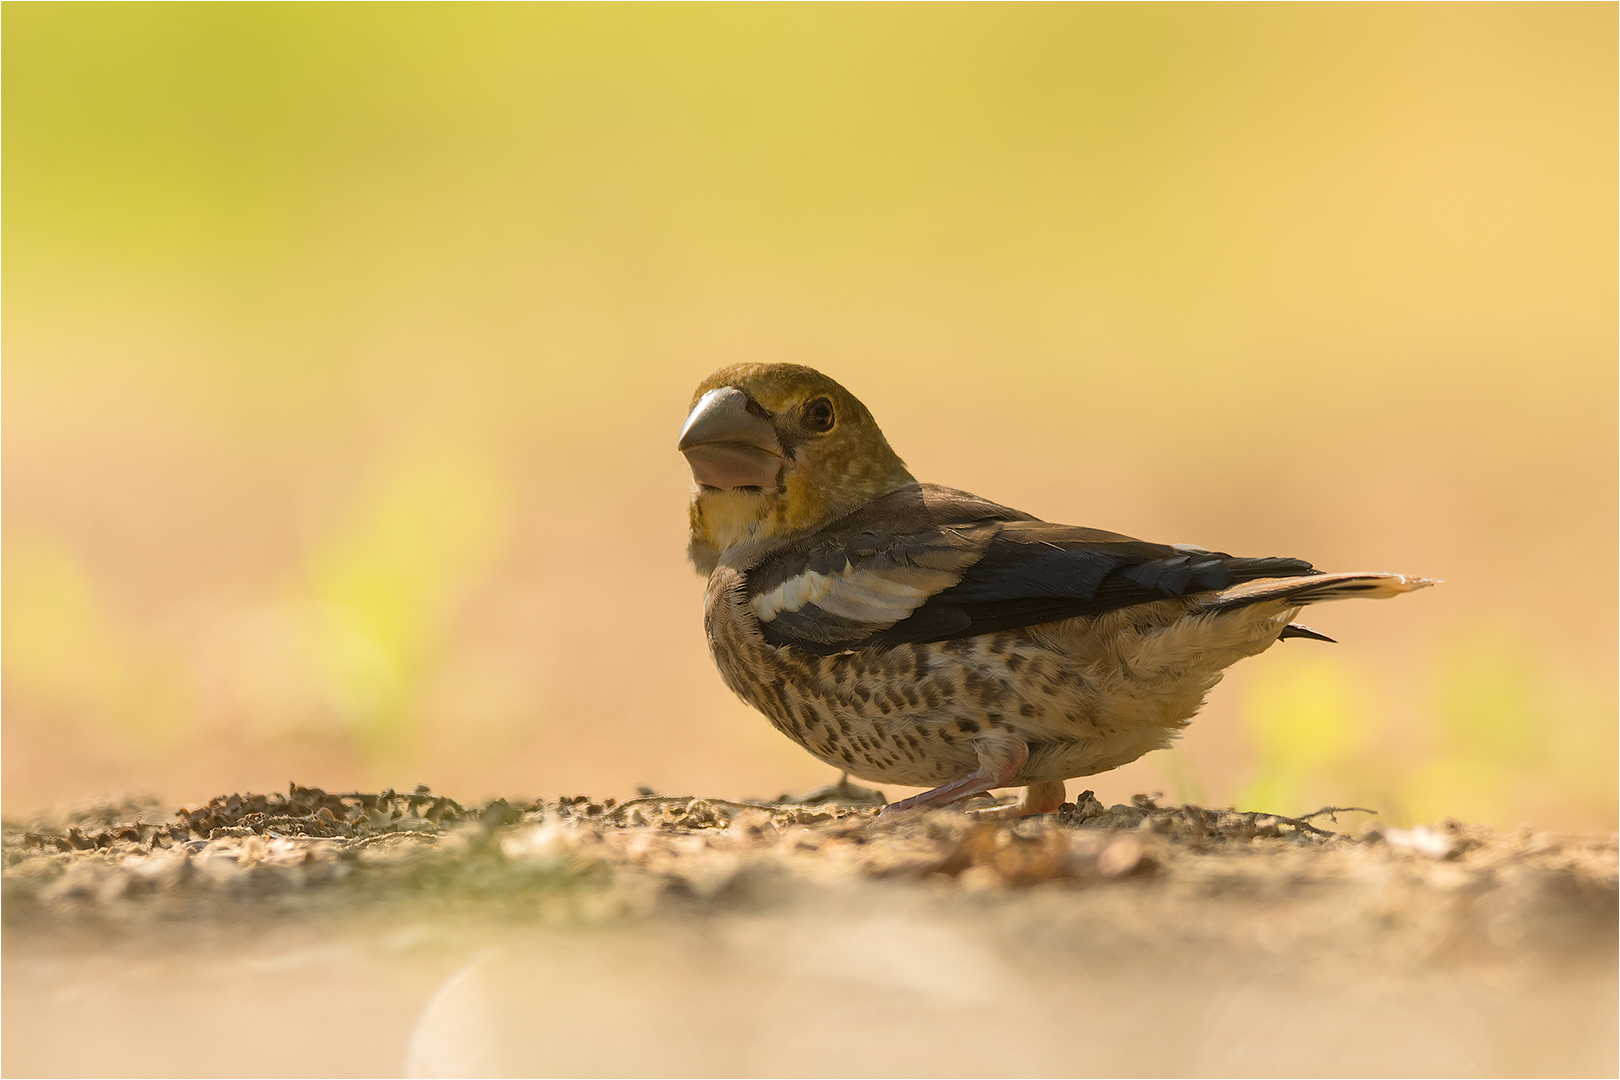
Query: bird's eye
(818, 415)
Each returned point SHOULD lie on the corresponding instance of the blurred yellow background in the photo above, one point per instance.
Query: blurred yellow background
(346, 347)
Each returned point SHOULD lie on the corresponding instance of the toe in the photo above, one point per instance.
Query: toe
(1044, 797)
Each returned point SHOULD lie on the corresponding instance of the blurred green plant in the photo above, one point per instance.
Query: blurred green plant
(1308, 728)
(387, 582)
(69, 652)
(1503, 738)
(1506, 722)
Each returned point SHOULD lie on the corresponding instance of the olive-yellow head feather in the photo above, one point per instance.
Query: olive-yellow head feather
(779, 450)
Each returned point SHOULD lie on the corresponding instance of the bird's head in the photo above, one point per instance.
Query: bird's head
(778, 450)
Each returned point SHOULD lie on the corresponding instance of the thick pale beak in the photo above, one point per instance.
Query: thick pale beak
(729, 447)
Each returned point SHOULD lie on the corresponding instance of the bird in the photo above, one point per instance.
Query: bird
(914, 634)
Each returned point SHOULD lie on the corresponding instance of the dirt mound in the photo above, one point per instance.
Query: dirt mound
(1461, 885)
(509, 938)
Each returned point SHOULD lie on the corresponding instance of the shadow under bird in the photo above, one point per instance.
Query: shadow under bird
(915, 634)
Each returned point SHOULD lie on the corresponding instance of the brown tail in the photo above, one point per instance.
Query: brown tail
(1315, 588)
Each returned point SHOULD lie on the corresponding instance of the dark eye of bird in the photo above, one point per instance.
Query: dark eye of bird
(818, 415)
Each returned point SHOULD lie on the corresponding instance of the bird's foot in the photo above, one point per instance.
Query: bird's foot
(955, 791)
(1045, 797)
(999, 762)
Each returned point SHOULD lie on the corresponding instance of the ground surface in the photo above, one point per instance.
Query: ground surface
(314, 933)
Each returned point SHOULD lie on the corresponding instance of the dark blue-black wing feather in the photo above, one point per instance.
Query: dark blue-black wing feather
(1030, 572)
(1034, 573)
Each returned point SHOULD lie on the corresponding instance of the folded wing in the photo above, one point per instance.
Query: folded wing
(931, 564)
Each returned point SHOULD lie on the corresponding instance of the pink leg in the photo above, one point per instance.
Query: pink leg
(1000, 758)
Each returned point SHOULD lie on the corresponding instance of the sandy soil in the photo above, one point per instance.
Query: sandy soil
(315, 933)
